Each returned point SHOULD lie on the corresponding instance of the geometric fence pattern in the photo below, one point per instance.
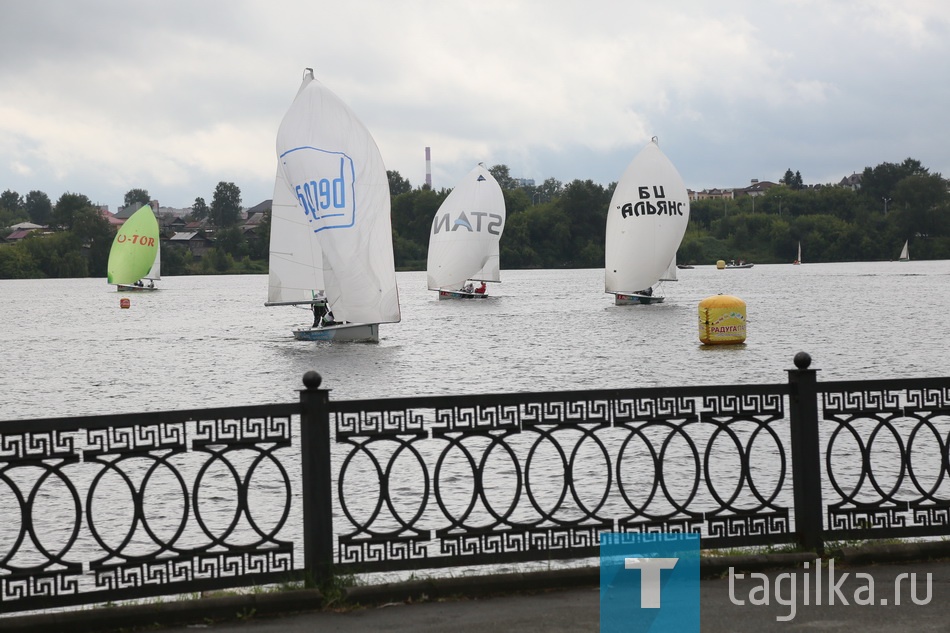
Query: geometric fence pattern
(501, 478)
(106, 508)
(114, 507)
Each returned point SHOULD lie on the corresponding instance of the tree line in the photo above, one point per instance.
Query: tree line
(550, 225)
(554, 225)
(80, 237)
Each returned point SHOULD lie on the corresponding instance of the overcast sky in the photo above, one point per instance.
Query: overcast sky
(99, 97)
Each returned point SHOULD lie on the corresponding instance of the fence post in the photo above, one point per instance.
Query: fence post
(806, 454)
(317, 485)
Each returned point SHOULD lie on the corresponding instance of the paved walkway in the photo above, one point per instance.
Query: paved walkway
(725, 605)
(578, 609)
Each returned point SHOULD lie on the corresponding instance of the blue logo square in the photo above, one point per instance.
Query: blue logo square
(649, 582)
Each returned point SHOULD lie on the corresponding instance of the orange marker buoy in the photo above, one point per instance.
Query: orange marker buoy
(124, 303)
(722, 320)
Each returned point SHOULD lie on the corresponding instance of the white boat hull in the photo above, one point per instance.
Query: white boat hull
(460, 294)
(343, 333)
(622, 299)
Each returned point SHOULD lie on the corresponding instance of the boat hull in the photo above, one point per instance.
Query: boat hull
(739, 266)
(633, 299)
(134, 288)
(343, 333)
(459, 294)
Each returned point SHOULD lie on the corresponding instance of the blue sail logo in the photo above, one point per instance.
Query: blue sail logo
(325, 185)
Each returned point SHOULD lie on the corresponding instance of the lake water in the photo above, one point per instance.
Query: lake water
(66, 347)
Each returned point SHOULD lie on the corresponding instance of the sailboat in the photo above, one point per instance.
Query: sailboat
(136, 253)
(331, 234)
(798, 260)
(464, 241)
(646, 222)
(905, 254)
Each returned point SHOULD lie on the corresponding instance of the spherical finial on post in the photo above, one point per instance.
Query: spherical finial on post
(802, 360)
(312, 380)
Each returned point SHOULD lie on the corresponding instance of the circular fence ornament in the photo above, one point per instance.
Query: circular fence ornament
(722, 320)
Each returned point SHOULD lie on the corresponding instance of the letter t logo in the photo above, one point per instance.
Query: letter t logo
(649, 578)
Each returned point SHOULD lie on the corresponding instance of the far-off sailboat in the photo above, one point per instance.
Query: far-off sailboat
(465, 236)
(646, 222)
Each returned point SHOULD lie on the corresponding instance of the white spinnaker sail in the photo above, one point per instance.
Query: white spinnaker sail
(646, 222)
(465, 233)
(670, 274)
(155, 272)
(295, 272)
(332, 164)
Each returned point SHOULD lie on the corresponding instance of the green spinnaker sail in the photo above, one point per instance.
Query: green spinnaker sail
(134, 248)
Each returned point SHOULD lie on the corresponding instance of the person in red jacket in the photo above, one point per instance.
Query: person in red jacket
(481, 289)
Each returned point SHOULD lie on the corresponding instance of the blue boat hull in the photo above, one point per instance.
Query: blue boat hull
(345, 332)
(621, 299)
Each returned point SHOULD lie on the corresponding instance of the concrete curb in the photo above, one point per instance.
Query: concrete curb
(230, 608)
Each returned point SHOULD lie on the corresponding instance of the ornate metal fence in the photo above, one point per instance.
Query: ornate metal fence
(453, 481)
(107, 508)
(885, 447)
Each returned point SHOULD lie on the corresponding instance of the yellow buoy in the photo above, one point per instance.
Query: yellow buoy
(721, 264)
(722, 320)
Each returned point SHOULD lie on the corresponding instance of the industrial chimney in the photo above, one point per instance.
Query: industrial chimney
(428, 170)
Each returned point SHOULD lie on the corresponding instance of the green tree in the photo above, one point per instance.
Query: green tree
(66, 208)
(176, 260)
(548, 190)
(95, 235)
(137, 198)
(503, 175)
(412, 216)
(231, 240)
(225, 205)
(216, 261)
(920, 202)
(879, 183)
(788, 178)
(199, 210)
(17, 263)
(39, 207)
(397, 184)
(11, 201)
(258, 244)
(9, 217)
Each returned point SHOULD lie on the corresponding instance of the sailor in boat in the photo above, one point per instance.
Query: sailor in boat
(469, 288)
(328, 319)
(151, 284)
(319, 310)
(481, 289)
(648, 292)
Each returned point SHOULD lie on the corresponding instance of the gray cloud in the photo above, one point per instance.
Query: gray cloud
(100, 97)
